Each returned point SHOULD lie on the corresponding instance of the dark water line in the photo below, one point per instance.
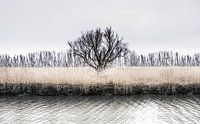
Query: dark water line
(110, 89)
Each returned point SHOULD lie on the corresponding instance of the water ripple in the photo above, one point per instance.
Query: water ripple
(100, 109)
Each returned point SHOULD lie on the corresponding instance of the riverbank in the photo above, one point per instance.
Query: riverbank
(113, 81)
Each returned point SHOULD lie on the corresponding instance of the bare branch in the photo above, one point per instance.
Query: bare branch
(98, 48)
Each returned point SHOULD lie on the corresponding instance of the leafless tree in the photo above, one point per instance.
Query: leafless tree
(98, 48)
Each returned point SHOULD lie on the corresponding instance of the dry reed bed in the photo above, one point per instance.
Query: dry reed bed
(113, 81)
(122, 75)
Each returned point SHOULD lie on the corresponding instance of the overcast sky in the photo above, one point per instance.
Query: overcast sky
(147, 25)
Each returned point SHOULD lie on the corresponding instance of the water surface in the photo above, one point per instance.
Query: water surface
(100, 109)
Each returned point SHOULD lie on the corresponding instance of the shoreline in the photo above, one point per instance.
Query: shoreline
(113, 81)
(109, 89)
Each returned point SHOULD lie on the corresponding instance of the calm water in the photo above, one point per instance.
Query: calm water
(96, 109)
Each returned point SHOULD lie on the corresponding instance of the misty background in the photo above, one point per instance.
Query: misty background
(147, 25)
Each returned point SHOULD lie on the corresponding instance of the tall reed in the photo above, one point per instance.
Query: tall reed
(114, 81)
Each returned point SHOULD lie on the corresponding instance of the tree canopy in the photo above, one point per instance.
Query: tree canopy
(98, 48)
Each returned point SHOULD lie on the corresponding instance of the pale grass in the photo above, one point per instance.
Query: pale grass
(86, 75)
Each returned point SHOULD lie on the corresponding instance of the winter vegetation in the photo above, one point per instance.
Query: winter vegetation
(68, 59)
(99, 63)
(86, 75)
(113, 81)
(99, 50)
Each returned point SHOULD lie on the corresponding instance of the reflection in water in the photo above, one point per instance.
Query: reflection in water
(100, 109)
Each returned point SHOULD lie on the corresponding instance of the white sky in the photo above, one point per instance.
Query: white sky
(147, 25)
